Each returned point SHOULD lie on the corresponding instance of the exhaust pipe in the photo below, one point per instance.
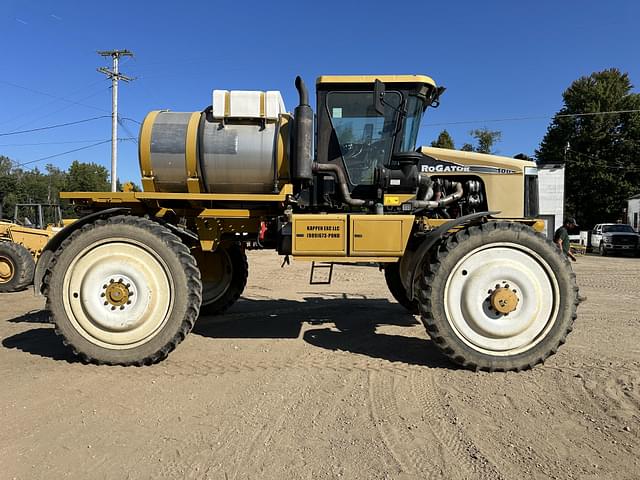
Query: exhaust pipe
(443, 202)
(303, 135)
(342, 182)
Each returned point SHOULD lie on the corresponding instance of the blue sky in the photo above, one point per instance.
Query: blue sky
(498, 59)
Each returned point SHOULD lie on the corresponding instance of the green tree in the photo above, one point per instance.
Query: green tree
(444, 140)
(602, 152)
(486, 139)
(87, 177)
(467, 147)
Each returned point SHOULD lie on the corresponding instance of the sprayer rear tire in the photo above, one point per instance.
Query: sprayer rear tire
(220, 294)
(16, 267)
(392, 276)
(123, 291)
(455, 295)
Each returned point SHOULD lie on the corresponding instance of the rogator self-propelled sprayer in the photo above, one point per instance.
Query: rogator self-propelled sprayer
(454, 231)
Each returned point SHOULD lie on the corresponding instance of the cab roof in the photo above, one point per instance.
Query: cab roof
(421, 79)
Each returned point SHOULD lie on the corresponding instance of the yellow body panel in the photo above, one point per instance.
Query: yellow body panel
(379, 235)
(33, 239)
(224, 213)
(372, 78)
(371, 236)
(305, 258)
(134, 197)
(314, 234)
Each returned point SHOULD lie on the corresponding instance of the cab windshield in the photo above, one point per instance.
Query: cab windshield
(617, 229)
(365, 137)
(415, 108)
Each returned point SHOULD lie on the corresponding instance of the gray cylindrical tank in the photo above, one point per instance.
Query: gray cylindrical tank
(230, 157)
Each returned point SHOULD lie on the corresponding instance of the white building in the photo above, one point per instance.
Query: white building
(551, 196)
(633, 212)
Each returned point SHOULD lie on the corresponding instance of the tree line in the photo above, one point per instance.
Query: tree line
(18, 185)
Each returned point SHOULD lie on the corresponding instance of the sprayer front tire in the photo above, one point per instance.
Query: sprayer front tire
(16, 267)
(460, 305)
(224, 278)
(123, 291)
(392, 276)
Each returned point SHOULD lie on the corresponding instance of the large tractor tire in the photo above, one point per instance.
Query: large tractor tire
(392, 276)
(123, 291)
(224, 276)
(498, 296)
(16, 267)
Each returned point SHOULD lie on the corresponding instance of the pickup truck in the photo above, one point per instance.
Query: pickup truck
(608, 238)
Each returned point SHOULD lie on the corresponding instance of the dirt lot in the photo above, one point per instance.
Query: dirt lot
(319, 382)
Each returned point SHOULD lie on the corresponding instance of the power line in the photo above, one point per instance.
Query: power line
(131, 120)
(121, 139)
(542, 117)
(21, 164)
(126, 129)
(56, 97)
(49, 127)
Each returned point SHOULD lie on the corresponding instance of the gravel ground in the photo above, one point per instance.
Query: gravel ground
(316, 382)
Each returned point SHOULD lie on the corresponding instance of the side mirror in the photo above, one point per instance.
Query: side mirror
(378, 95)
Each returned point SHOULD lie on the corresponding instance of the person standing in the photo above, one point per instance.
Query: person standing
(561, 237)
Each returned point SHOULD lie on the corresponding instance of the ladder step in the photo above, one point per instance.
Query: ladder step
(320, 266)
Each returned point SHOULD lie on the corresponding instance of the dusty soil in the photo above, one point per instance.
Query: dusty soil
(319, 382)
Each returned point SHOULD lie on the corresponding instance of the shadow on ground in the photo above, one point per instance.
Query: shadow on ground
(35, 316)
(346, 323)
(337, 323)
(40, 341)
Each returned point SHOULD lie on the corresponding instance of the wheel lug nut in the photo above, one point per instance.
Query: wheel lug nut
(106, 303)
(102, 294)
(104, 286)
(113, 308)
(121, 307)
(111, 281)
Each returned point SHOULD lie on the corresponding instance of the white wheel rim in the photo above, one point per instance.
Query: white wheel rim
(212, 291)
(469, 287)
(149, 297)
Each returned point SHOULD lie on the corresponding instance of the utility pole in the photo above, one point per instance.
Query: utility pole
(115, 75)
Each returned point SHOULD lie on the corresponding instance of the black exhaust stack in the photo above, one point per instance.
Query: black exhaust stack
(302, 135)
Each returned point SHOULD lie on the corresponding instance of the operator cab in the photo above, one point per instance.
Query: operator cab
(368, 125)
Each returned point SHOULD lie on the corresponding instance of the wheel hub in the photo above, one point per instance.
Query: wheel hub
(6, 269)
(117, 293)
(503, 300)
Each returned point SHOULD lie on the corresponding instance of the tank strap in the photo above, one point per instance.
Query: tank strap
(194, 181)
(144, 152)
